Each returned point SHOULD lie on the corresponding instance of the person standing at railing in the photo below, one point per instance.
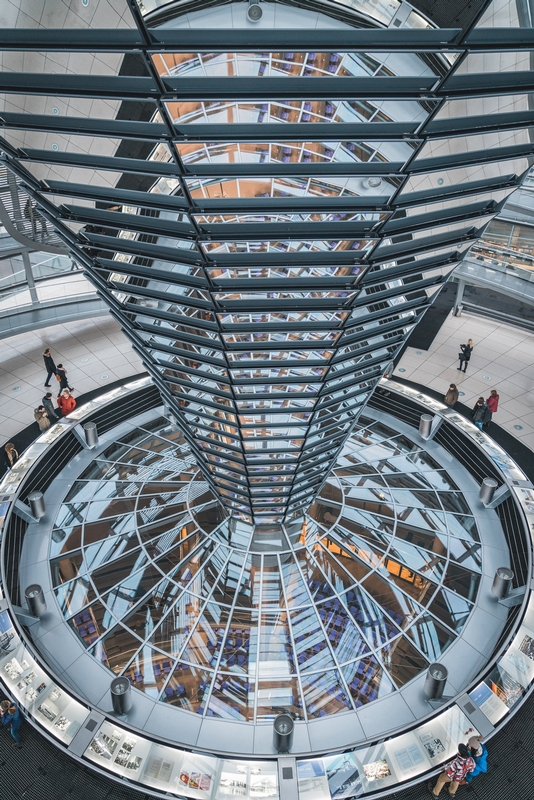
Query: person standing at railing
(49, 366)
(41, 418)
(10, 455)
(34, 216)
(493, 405)
(49, 407)
(451, 398)
(481, 414)
(11, 717)
(66, 402)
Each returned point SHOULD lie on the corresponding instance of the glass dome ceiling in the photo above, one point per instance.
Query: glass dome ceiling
(219, 618)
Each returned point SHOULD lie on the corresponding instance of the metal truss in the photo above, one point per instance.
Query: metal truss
(277, 274)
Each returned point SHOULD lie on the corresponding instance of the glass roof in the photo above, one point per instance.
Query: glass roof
(333, 611)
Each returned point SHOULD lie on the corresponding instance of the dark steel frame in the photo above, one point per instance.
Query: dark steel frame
(364, 315)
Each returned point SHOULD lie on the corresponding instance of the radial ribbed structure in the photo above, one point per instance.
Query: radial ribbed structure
(269, 209)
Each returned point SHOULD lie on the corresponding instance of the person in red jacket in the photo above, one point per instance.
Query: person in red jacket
(492, 403)
(66, 402)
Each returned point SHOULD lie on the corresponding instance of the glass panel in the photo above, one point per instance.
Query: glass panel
(232, 697)
(402, 661)
(275, 697)
(367, 680)
(324, 693)
(187, 688)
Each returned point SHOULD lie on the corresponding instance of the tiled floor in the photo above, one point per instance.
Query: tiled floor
(94, 351)
(503, 359)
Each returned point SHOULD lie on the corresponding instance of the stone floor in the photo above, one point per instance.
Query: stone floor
(94, 351)
(502, 359)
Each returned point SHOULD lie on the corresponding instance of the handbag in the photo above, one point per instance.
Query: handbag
(460, 356)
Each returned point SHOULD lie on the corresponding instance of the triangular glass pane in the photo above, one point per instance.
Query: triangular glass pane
(232, 697)
(74, 595)
(324, 694)
(146, 671)
(174, 629)
(188, 687)
(462, 581)
(430, 637)
(295, 588)
(451, 609)
(116, 649)
(65, 540)
(367, 680)
(402, 661)
(462, 526)
(469, 554)
(310, 645)
(92, 622)
(276, 658)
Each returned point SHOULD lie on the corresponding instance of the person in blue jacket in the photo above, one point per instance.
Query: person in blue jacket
(11, 717)
(479, 752)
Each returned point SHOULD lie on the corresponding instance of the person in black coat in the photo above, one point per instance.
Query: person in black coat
(481, 414)
(49, 407)
(465, 355)
(63, 380)
(49, 365)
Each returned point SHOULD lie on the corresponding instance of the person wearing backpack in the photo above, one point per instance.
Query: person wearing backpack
(61, 376)
(479, 753)
(11, 717)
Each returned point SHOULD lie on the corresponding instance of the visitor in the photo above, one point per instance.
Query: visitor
(49, 407)
(11, 717)
(10, 455)
(41, 418)
(479, 752)
(455, 772)
(49, 366)
(451, 398)
(61, 376)
(66, 402)
(34, 216)
(493, 404)
(465, 355)
(481, 414)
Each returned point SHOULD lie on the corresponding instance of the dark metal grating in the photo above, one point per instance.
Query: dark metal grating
(125, 408)
(470, 457)
(513, 526)
(55, 459)
(48, 467)
(398, 406)
(13, 541)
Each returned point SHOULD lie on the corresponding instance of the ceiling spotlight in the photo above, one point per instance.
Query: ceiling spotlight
(254, 12)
